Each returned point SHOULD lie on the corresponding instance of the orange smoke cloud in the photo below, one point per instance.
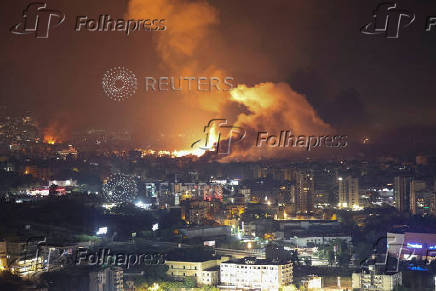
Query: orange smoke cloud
(277, 105)
(273, 108)
(267, 106)
(189, 25)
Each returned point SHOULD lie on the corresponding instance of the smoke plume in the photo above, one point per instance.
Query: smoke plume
(271, 107)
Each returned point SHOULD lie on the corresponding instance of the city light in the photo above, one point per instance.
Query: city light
(143, 205)
(304, 158)
(102, 231)
(414, 245)
(154, 287)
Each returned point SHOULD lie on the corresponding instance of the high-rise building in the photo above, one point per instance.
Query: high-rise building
(405, 194)
(348, 192)
(304, 191)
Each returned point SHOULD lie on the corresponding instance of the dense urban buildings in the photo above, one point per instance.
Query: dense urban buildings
(160, 145)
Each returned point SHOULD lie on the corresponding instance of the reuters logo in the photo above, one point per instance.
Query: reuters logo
(119, 83)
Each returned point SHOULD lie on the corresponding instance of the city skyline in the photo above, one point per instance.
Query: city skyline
(157, 145)
(370, 99)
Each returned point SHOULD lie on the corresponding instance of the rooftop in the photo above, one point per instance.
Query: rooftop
(254, 261)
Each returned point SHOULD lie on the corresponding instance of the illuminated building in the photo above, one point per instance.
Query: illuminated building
(205, 272)
(259, 172)
(150, 190)
(287, 174)
(198, 212)
(246, 192)
(20, 258)
(253, 273)
(8, 167)
(43, 191)
(196, 216)
(63, 183)
(404, 192)
(409, 245)
(313, 282)
(305, 240)
(348, 192)
(25, 267)
(70, 152)
(38, 172)
(426, 203)
(433, 204)
(234, 211)
(108, 279)
(310, 233)
(10, 251)
(304, 191)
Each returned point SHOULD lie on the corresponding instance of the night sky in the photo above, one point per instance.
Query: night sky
(360, 85)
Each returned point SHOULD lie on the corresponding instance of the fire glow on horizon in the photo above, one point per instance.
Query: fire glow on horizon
(50, 139)
(212, 140)
(266, 105)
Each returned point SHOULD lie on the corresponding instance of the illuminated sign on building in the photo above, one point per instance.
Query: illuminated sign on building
(414, 245)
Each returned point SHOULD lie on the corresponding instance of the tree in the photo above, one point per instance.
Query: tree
(331, 256)
(294, 258)
(190, 282)
(344, 259)
(343, 254)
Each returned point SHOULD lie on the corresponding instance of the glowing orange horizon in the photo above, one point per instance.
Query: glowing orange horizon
(210, 145)
(50, 139)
